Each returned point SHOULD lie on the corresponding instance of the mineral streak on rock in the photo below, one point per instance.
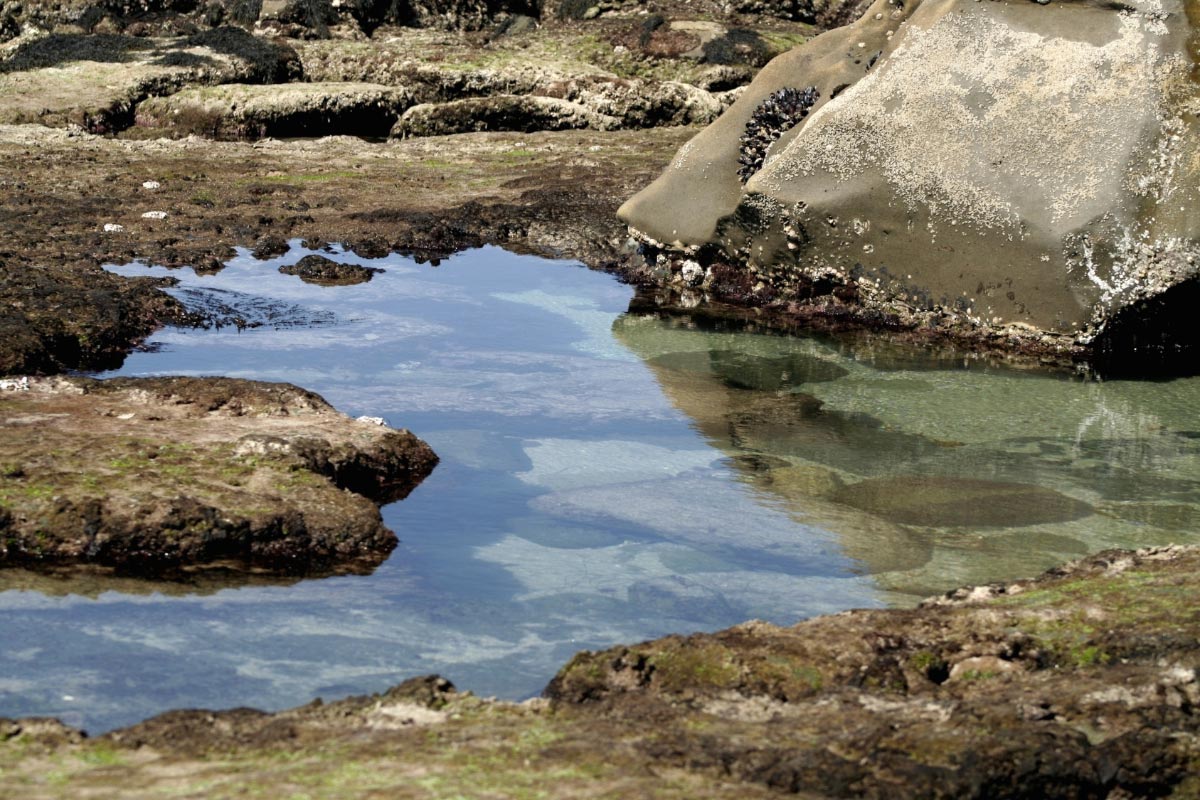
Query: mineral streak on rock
(779, 113)
(1017, 175)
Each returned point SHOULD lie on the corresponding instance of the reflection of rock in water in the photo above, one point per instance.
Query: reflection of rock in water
(769, 430)
(740, 370)
(939, 502)
(88, 580)
(798, 426)
(714, 388)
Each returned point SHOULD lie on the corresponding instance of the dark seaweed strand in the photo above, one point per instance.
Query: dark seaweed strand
(773, 117)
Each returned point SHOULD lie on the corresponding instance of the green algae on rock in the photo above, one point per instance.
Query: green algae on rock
(153, 475)
(1079, 683)
(1018, 173)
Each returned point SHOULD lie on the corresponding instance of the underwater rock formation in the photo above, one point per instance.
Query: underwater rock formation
(1019, 174)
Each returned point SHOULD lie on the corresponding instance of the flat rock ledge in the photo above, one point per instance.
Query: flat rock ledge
(153, 475)
(1081, 683)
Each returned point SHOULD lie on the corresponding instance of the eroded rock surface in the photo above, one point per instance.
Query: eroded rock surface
(240, 111)
(151, 475)
(1079, 684)
(327, 272)
(1022, 172)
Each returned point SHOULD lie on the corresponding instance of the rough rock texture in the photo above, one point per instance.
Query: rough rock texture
(327, 272)
(598, 104)
(239, 111)
(1082, 683)
(58, 319)
(150, 475)
(96, 81)
(1019, 171)
(498, 113)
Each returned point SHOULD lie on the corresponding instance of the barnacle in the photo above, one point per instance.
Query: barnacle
(775, 115)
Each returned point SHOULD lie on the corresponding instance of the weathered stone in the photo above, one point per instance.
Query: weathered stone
(96, 81)
(239, 111)
(149, 476)
(327, 272)
(498, 113)
(1010, 171)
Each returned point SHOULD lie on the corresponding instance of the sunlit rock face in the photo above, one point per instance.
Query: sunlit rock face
(988, 167)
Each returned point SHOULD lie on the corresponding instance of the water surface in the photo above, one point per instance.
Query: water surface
(606, 477)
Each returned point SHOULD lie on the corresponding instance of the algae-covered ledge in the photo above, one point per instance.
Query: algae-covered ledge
(150, 476)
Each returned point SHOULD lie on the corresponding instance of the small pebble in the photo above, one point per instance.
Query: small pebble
(112, 227)
(151, 184)
(372, 420)
(154, 215)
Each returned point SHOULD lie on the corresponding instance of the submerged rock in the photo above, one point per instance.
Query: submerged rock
(149, 476)
(938, 501)
(1020, 174)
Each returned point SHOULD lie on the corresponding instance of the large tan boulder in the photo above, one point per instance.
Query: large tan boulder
(987, 168)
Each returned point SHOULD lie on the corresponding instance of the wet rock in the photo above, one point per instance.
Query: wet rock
(270, 246)
(326, 272)
(962, 230)
(106, 314)
(239, 111)
(937, 501)
(149, 476)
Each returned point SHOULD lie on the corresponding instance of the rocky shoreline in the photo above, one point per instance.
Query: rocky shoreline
(1081, 683)
(148, 132)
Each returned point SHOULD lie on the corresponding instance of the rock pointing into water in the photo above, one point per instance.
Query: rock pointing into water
(1016, 173)
(154, 475)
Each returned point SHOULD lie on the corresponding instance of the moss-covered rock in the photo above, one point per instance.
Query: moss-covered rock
(148, 476)
(240, 111)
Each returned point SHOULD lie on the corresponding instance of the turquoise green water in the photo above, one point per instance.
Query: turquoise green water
(605, 477)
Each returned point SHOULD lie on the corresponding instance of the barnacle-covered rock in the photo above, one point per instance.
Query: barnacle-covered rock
(1021, 175)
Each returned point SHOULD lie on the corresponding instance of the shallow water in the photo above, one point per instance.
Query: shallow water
(605, 477)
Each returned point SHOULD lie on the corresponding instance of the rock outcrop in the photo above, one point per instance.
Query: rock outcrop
(148, 476)
(1019, 172)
